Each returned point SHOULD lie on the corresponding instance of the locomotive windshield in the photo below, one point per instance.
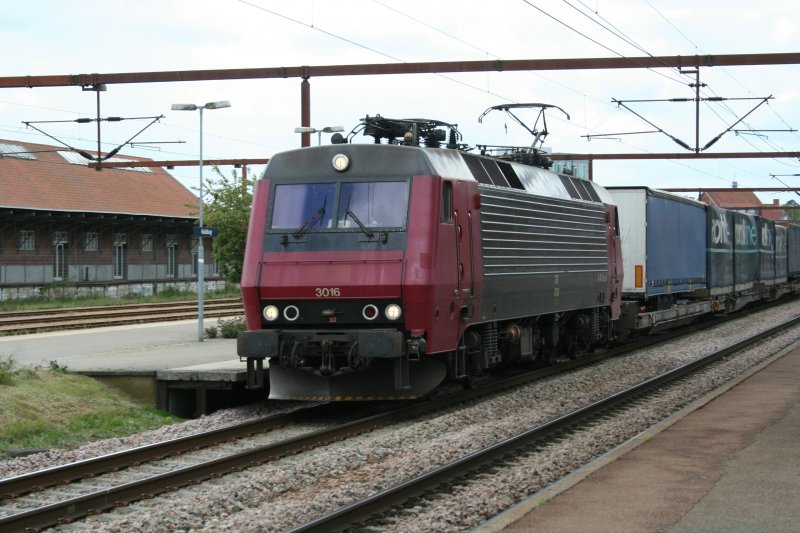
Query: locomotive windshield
(303, 205)
(357, 205)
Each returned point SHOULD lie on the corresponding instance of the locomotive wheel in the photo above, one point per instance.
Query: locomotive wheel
(551, 355)
(476, 375)
(473, 382)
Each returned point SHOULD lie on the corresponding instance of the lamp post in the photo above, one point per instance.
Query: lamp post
(201, 281)
(319, 131)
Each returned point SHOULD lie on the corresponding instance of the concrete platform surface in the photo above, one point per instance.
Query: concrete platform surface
(733, 465)
(226, 370)
(156, 346)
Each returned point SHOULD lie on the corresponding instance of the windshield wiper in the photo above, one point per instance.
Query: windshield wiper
(315, 217)
(361, 225)
(357, 220)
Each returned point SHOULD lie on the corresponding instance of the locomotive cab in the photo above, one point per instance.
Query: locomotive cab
(339, 296)
(376, 271)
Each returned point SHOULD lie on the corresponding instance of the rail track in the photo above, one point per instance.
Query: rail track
(375, 513)
(20, 322)
(23, 491)
(26, 504)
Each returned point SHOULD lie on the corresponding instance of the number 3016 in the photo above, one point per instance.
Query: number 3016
(327, 292)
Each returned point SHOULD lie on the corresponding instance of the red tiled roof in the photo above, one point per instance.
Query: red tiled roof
(742, 200)
(775, 214)
(51, 183)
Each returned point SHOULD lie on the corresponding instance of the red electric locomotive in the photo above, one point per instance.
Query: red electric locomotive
(378, 271)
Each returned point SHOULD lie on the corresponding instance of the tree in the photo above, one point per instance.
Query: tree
(227, 208)
(793, 210)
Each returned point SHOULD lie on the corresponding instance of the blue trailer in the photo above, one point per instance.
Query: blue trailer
(766, 251)
(781, 254)
(793, 249)
(663, 244)
(745, 251)
(719, 241)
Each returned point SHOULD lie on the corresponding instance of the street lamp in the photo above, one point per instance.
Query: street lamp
(201, 281)
(319, 131)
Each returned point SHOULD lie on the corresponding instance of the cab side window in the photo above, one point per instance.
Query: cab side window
(446, 210)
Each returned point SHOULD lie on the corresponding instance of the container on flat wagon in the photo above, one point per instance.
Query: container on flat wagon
(745, 250)
(663, 242)
(719, 241)
(766, 251)
(793, 249)
(781, 253)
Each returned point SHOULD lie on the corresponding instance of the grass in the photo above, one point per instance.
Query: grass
(53, 408)
(42, 408)
(168, 295)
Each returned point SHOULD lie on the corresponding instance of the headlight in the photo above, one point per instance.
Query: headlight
(393, 311)
(271, 313)
(340, 162)
(370, 312)
(291, 313)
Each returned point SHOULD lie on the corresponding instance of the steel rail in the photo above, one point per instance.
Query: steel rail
(109, 312)
(75, 508)
(62, 474)
(29, 321)
(105, 316)
(95, 308)
(361, 511)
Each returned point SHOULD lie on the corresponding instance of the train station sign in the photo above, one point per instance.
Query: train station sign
(205, 231)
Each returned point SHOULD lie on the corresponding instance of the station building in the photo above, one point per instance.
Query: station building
(65, 227)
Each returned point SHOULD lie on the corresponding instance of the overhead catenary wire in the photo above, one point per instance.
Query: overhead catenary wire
(706, 103)
(368, 48)
(592, 130)
(632, 60)
(454, 31)
(616, 32)
(621, 35)
(481, 49)
(315, 27)
(724, 70)
(682, 82)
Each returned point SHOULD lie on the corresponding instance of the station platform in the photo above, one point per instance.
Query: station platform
(728, 462)
(163, 364)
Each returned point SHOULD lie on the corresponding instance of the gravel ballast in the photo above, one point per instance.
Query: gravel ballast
(290, 491)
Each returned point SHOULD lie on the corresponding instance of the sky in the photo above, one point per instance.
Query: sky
(52, 37)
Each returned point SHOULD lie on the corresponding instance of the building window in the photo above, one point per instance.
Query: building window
(147, 242)
(27, 240)
(120, 255)
(60, 240)
(194, 256)
(119, 261)
(91, 241)
(172, 256)
(59, 261)
(60, 237)
(16, 151)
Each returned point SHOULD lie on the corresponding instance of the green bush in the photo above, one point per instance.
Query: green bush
(171, 292)
(7, 373)
(231, 327)
(56, 367)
